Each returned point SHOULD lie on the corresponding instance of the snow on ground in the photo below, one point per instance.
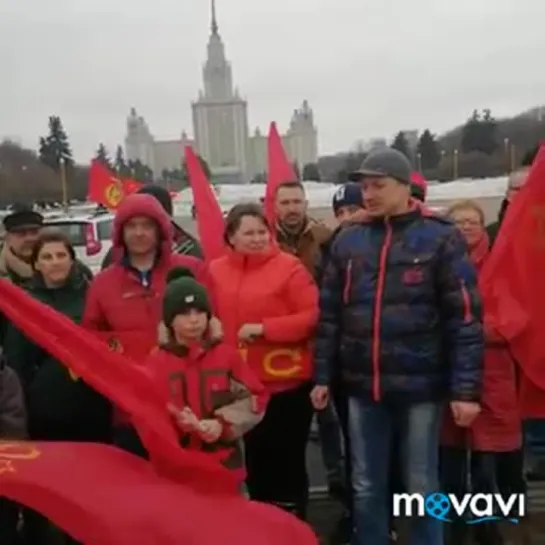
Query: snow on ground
(321, 194)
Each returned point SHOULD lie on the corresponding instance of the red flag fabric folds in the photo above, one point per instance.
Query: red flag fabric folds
(101, 495)
(280, 170)
(108, 189)
(513, 290)
(210, 222)
(122, 381)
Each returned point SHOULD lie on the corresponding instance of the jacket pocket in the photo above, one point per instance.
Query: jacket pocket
(215, 389)
(414, 268)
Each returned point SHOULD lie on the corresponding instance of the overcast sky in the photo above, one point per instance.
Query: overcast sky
(368, 67)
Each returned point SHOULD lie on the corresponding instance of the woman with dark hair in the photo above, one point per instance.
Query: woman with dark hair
(267, 302)
(60, 406)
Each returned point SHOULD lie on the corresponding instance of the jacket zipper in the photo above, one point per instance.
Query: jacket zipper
(241, 345)
(466, 301)
(347, 283)
(377, 311)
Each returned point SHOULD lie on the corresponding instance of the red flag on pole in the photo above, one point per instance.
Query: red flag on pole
(280, 170)
(108, 189)
(513, 290)
(101, 495)
(210, 222)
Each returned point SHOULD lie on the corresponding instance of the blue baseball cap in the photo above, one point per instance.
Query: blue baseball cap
(348, 194)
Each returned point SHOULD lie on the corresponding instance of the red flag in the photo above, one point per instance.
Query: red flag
(210, 222)
(123, 382)
(280, 170)
(106, 188)
(130, 186)
(101, 495)
(513, 289)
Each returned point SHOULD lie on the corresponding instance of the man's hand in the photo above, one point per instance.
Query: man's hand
(185, 419)
(249, 332)
(464, 412)
(210, 430)
(319, 397)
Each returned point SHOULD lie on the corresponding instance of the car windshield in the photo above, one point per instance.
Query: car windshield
(75, 231)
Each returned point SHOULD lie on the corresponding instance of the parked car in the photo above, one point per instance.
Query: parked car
(224, 211)
(91, 235)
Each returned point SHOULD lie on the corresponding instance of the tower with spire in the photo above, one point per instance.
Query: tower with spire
(220, 127)
(220, 115)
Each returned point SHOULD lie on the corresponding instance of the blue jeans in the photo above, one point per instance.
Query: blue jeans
(371, 426)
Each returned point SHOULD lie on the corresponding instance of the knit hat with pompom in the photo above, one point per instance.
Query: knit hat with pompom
(183, 293)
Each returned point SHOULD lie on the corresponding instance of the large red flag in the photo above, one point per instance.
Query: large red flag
(127, 385)
(101, 495)
(210, 222)
(513, 289)
(280, 170)
(108, 189)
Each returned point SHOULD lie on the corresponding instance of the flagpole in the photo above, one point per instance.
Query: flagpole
(64, 185)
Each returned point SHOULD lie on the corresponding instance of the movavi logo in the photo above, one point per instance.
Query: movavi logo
(472, 508)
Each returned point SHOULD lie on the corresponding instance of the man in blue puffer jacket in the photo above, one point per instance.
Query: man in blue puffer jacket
(400, 293)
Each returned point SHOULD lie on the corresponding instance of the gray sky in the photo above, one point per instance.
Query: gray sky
(368, 67)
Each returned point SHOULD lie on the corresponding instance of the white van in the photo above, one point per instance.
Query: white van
(91, 235)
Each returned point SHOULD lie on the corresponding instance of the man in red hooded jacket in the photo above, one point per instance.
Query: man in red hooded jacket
(124, 301)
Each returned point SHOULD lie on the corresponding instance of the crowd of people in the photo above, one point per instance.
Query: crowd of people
(377, 327)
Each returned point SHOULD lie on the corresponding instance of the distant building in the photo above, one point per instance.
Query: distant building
(373, 144)
(220, 128)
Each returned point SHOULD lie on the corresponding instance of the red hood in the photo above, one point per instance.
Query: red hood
(140, 204)
(419, 181)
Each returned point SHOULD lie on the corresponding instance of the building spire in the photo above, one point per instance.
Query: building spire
(214, 25)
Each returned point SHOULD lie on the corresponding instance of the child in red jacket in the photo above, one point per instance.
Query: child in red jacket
(211, 393)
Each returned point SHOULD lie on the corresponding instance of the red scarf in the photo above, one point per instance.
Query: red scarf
(478, 251)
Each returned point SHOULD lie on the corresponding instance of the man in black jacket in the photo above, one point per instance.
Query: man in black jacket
(348, 207)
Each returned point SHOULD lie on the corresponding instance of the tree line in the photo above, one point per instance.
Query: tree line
(40, 176)
(482, 147)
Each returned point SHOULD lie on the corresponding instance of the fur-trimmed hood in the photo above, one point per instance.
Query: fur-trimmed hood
(13, 266)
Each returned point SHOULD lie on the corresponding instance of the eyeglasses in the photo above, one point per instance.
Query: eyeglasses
(467, 223)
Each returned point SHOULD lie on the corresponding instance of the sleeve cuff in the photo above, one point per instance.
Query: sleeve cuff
(466, 396)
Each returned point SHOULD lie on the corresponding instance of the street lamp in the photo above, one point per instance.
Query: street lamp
(419, 162)
(455, 165)
(507, 154)
(64, 185)
(512, 157)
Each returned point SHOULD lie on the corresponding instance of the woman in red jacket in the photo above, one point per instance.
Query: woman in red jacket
(495, 438)
(268, 305)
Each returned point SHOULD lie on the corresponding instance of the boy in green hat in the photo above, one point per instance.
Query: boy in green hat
(211, 393)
